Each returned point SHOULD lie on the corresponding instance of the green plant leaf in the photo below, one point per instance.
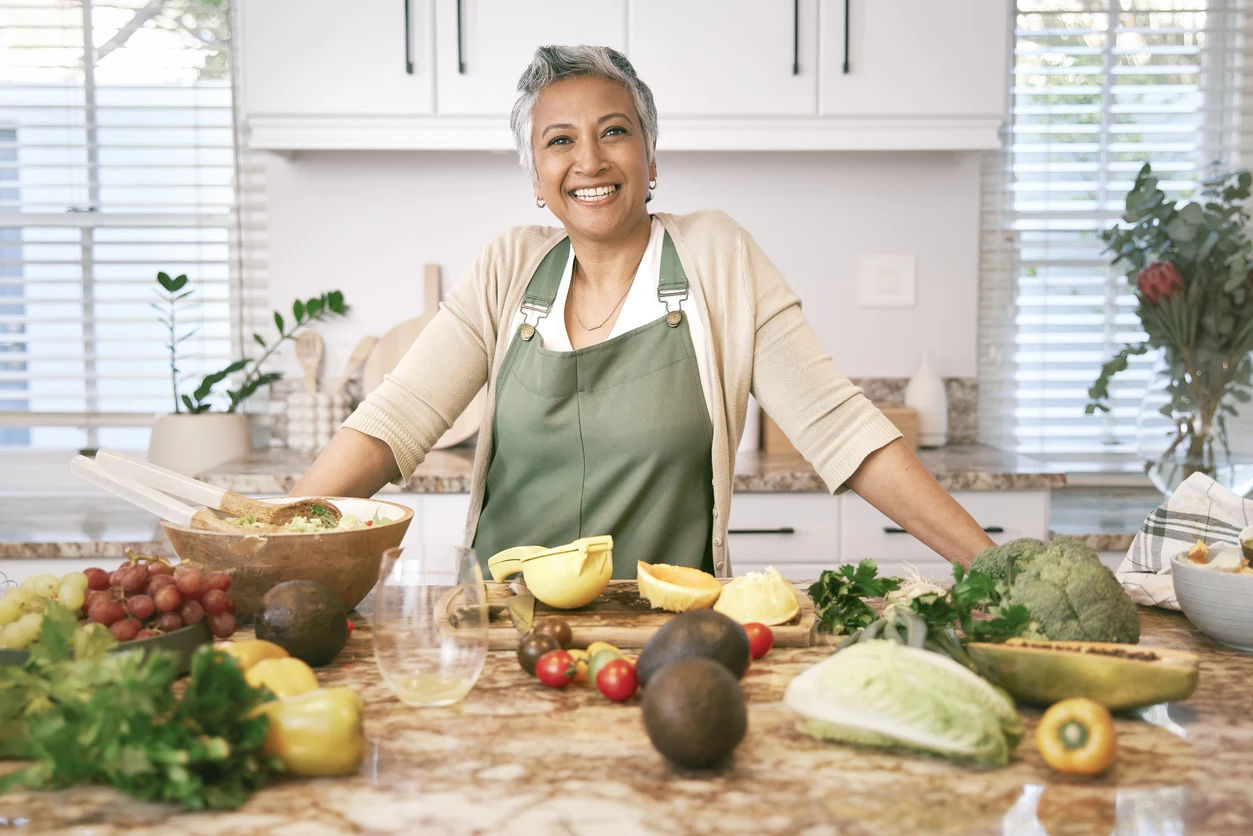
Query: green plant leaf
(278, 321)
(165, 281)
(298, 310)
(314, 306)
(335, 301)
(260, 340)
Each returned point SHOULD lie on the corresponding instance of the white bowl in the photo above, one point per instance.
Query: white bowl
(1219, 604)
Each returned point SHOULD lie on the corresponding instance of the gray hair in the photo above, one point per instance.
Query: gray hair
(554, 63)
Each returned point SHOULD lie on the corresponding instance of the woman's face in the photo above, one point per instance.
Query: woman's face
(590, 156)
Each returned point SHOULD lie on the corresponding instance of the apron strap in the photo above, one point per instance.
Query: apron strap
(672, 282)
(542, 289)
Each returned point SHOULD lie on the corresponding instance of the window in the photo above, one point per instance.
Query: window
(116, 161)
(1099, 87)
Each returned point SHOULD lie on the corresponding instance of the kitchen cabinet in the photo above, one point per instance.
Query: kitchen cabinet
(484, 45)
(796, 533)
(437, 530)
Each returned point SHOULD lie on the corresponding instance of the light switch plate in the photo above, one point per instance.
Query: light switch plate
(887, 281)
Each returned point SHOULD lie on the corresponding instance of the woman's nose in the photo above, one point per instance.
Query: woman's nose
(589, 159)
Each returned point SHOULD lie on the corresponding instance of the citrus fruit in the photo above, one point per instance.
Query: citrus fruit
(764, 597)
(677, 588)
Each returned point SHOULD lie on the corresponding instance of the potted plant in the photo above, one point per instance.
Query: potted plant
(1189, 266)
(194, 437)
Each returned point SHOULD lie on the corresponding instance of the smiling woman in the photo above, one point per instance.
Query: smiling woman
(621, 414)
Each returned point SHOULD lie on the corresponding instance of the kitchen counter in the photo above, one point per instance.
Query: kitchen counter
(516, 757)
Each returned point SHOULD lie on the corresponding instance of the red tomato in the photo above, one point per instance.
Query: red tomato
(760, 639)
(350, 626)
(616, 680)
(556, 668)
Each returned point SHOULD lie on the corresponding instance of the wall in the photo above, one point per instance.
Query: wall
(366, 222)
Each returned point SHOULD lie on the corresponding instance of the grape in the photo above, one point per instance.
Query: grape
(45, 586)
(18, 595)
(168, 622)
(10, 611)
(141, 607)
(12, 637)
(94, 595)
(158, 568)
(190, 582)
(134, 579)
(222, 624)
(168, 599)
(31, 624)
(218, 580)
(126, 629)
(113, 576)
(214, 601)
(146, 633)
(71, 597)
(155, 582)
(75, 579)
(191, 612)
(230, 605)
(96, 578)
(106, 612)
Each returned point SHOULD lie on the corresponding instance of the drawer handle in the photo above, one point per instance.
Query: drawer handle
(408, 44)
(990, 529)
(796, 37)
(784, 530)
(461, 61)
(845, 37)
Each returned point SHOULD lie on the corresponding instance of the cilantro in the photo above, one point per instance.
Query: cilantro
(838, 595)
(324, 514)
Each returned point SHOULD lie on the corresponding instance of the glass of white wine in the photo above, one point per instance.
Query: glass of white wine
(430, 623)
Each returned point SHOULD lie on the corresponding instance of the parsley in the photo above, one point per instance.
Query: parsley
(838, 595)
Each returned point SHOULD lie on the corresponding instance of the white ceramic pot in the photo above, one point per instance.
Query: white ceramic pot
(925, 393)
(192, 444)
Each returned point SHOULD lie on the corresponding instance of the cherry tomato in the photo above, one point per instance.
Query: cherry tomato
(351, 626)
(760, 639)
(555, 668)
(616, 680)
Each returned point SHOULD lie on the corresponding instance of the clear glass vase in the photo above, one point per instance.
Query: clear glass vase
(1194, 423)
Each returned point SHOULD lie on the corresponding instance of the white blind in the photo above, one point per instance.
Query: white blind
(1099, 87)
(118, 159)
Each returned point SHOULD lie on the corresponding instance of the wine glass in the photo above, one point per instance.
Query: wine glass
(430, 623)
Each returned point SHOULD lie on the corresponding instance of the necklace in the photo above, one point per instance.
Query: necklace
(583, 324)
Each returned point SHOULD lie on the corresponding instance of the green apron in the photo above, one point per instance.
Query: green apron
(613, 438)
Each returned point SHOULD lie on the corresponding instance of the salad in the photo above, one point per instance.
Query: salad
(311, 525)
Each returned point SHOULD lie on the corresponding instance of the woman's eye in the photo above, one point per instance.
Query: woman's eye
(558, 140)
(615, 131)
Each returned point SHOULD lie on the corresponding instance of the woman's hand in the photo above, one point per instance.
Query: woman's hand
(353, 464)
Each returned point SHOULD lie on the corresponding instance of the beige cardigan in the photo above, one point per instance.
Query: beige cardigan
(761, 344)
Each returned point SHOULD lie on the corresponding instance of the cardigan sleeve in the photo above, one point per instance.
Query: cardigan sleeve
(831, 423)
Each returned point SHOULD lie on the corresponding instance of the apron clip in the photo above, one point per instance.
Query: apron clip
(527, 331)
(673, 315)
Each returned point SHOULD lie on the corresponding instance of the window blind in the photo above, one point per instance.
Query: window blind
(118, 159)
(1099, 87)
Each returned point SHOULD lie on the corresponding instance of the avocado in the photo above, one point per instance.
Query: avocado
(306, 619)
(694, 713)
(699, 633)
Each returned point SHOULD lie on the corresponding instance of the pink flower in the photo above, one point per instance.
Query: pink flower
(1159, 281)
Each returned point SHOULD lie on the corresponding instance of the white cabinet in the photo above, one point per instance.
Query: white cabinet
(340, 58)
(438, 528)
(797, 533)
(484, 45)
(916, 58)
(733, 58)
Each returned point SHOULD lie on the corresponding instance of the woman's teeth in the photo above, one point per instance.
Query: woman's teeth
(599, 193)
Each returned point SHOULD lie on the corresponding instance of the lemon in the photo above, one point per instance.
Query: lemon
(761, 597)
(677, 588)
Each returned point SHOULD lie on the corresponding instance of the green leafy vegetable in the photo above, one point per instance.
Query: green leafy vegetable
(837, 595)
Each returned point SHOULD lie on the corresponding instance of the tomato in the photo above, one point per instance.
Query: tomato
(616, 680)
(760, 639)
(555, 668)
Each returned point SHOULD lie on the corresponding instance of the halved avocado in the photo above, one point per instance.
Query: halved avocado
(1119, 676)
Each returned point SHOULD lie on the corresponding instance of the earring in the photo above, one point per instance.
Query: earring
(652, 184)
(539, 201)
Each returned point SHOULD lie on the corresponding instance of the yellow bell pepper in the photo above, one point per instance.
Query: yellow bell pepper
(1076, 736)
(249, 653)
(285, 678)
(316, 734)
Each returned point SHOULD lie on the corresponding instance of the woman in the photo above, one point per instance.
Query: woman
(619, 352)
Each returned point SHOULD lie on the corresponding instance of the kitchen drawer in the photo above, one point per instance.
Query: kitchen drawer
(797, 533)
(867, 533)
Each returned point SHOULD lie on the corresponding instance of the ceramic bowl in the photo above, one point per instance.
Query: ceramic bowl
(566, 577)
(346, 561)
(1246, 543)
(1219, 604)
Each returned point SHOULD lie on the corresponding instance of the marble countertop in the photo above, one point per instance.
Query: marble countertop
(518, 758)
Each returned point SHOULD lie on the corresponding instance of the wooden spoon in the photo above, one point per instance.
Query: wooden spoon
(309, 347)
(359, 355)
(228, 502)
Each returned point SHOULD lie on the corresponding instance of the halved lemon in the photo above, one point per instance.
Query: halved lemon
(677, 588)
(762, 597)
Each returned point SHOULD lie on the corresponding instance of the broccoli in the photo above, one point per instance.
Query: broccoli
(1074, 597)
(998, 561)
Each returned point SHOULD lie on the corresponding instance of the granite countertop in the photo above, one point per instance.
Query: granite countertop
(515, 757)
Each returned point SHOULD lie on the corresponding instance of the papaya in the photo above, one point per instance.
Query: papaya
(1119, 676)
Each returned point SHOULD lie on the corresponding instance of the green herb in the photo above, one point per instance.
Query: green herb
(87, 716)
(321, 512)
(837, 595)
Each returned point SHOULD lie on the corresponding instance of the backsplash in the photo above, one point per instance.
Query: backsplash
(963, 402)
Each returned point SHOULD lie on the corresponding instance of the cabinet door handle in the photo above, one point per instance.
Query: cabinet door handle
(461, 60)
(408, 41)
(784, 530)
(990, 529)
(796, 37)
(846, 2)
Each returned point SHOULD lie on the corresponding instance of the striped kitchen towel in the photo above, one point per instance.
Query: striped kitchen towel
(1199, 509)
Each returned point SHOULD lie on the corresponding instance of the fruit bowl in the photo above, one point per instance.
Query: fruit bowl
(345, 560)
(1217, 603)
(183, 642)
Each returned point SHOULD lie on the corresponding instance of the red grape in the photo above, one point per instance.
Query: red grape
(126, 629)
(218, 580)
(140, 606)
(190, 582)
(146, 633)
(94, 595)
(230, 606)
(167, 599)
(113, 576)
(168, 622)
(134, 579)
(222, 624)
(155, 582)
(158, 568)
(214, 601)
(106, 612)
(96, 578)
(191, 612)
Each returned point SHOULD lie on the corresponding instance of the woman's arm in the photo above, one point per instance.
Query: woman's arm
(353, 464)
(894, 481)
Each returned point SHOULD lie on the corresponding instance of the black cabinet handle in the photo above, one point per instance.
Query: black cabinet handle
(796, 37)
(846, 37)
(461, 60)
(784, 530)
(408, 41)
(990, 529)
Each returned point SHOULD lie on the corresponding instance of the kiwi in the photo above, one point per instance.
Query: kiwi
(694, 713)
(698, 634)
(306, 619)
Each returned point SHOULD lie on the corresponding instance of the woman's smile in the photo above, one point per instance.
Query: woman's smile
(595, 195)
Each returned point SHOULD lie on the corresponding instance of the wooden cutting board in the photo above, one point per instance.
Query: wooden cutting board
(619, 616)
